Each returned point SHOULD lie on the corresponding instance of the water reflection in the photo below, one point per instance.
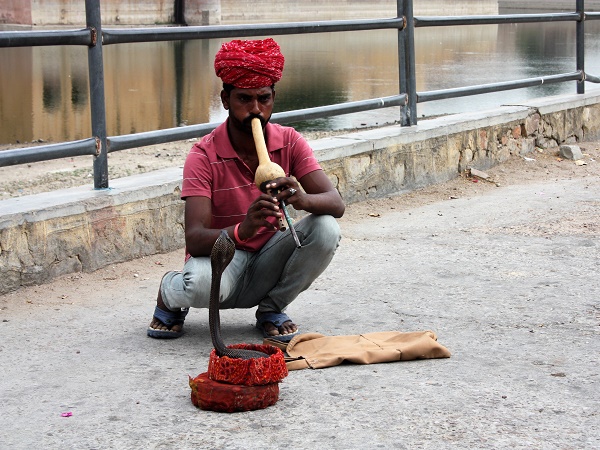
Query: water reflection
(45, 93)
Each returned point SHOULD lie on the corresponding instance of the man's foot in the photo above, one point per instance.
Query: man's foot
(286, 327)
(276, 326)
(158, 325)
(166, 324)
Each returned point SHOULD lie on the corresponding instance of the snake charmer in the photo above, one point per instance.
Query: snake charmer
(268, 269)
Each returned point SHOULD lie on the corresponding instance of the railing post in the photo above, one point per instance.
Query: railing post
(580, 39)
(406, 63)
(97, 102)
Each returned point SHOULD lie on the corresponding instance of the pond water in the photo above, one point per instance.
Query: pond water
(44, 92)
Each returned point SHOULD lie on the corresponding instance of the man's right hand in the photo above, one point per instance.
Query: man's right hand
(260, 210)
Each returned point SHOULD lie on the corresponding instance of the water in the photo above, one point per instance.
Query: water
(44, 92)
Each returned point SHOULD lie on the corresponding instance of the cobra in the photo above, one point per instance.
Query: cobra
(220, 257)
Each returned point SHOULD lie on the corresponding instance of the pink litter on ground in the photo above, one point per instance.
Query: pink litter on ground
(66, 414)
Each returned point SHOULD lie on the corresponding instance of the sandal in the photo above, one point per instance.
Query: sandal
(276, 319)
(168, 319)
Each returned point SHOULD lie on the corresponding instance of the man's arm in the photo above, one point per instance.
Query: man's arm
(200, 237)
(317, 196)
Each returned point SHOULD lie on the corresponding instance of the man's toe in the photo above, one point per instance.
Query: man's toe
(271, 329)
(288, 327)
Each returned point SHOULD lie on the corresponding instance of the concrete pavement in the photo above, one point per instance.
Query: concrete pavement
(509, 280)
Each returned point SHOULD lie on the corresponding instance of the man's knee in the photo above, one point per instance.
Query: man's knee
(323, 230)
(195, 282)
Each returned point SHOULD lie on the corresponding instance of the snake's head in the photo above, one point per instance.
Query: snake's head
(222, 252)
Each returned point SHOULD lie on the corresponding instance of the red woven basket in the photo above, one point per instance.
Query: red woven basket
(248, 372)
(211, 395)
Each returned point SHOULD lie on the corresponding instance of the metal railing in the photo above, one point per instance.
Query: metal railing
(94, 37)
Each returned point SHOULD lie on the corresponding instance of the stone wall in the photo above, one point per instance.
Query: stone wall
(534, 6)
(386, 161)
(255, 11)
(48, 235)
(202, 12)
(15, 12)
(72, 12)
(121, 12)
(213, 12)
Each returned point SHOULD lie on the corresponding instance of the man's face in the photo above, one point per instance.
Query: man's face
(245, 104)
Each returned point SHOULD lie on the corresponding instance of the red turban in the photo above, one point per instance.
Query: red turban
(249, 64)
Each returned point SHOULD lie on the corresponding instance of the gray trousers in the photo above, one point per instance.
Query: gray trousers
(271, 278)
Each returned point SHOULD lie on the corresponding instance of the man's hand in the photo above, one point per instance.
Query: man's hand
(285, 188)
(314, 193)
(263, 207)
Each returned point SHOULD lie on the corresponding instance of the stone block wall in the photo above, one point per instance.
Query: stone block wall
(15, 12)
(386, 161)
(72, 12)
(535, 6)
(48, 235)
(213, 12)
(202, 12)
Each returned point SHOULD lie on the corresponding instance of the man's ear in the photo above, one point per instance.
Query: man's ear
(225, 99)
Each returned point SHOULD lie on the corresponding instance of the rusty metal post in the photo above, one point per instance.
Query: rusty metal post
(406, 63)
(580, 40)
(97, 102)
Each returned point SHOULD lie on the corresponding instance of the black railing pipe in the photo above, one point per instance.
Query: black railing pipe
(320, 112)
(124, 142)
(45, 38)
(47, 152)
(496, 87)
(129, 35)
(116, 143)
(94, 37)
(442, 21)
(591, 78)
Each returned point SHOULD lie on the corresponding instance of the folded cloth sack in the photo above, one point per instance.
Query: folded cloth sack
(318, 351)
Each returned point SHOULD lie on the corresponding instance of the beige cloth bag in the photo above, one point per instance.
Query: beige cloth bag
(318, 351)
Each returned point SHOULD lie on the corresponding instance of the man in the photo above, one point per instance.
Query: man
(218, 187)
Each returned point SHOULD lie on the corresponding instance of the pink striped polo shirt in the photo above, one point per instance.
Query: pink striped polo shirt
(213, 169)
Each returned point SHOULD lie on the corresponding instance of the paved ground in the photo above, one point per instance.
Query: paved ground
(508, 278)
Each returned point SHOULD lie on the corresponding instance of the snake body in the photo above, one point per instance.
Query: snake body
(220, 257)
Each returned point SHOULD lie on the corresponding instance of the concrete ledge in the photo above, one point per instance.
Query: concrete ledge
(81, 229)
